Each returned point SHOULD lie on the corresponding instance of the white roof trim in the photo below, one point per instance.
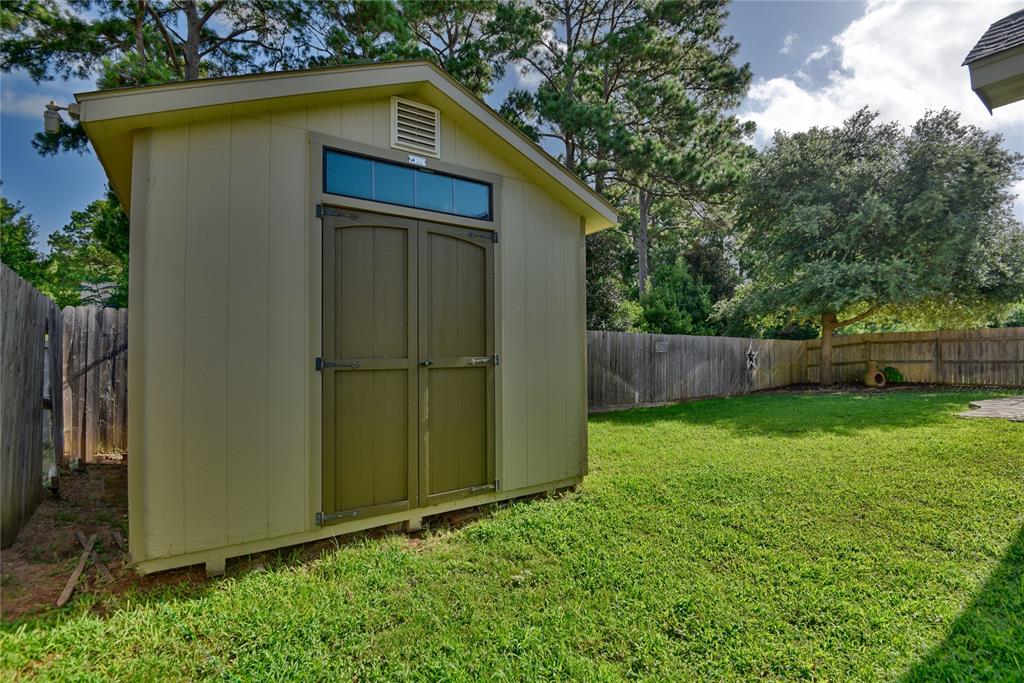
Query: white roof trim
(149, 100)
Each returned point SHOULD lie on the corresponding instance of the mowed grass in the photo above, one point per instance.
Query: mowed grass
(779, 536)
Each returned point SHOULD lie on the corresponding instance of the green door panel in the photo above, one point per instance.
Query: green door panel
(458, 428)
(408, 394)
(370, 437)
(456, 300)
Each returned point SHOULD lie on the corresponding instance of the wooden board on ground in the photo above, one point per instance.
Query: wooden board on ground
(69, 588)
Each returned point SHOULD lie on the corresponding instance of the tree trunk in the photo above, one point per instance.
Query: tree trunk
(569, 70)
(643, 241)
(190, 48)
(829, 322)
(140, 42)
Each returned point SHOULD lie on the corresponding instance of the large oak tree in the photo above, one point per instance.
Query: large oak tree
(840, 224)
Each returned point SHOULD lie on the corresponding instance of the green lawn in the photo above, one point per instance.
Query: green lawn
(786, 536)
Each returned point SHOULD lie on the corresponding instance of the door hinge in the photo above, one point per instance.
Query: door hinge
(322, 517)
(497, 359)
(490, 235)
(497, 484)
(328, 210)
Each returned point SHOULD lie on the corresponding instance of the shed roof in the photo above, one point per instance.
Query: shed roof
(110, 117)
(1005, 34)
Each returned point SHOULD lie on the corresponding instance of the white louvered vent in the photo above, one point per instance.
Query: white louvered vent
(415, 127)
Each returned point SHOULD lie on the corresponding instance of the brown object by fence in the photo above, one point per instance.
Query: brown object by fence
(30, 343)
(987, 357)
(96, 381)
(626, 369)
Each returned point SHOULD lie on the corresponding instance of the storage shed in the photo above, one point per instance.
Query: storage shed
(357, 299)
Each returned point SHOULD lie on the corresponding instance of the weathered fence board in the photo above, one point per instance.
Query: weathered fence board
(625, 369)
(990, 357)
(96, 381)
(30, 343)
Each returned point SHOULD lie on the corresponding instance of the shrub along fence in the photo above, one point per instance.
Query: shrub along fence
(626, 370)
(988, 357)
(30, 346)
(95, 382)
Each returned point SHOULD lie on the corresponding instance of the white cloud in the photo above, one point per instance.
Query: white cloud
(23, 104)
(19, 96)
(901, 59)
(820, 53)
(788, 42)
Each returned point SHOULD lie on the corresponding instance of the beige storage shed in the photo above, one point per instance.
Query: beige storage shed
(357, 298)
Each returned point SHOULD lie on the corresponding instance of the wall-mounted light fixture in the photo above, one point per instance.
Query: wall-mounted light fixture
(51, 116)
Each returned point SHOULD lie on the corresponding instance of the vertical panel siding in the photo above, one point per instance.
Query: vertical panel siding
(534, 274)
(289, 367)
(229, 318)
(326, 120)
(543, 334)
(248, 323)
(381, 109)
(141, 179)
(206, 350)
(164, 340)
(357, 121)
(571, 341)
(554, 241)
(513, 328)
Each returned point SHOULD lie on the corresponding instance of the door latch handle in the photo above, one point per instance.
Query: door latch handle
(325, 363)
(426, 362)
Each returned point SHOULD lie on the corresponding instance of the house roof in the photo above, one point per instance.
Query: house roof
(1005, 34)
(111, 117)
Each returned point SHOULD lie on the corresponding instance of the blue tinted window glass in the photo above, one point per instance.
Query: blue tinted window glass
(382, 181)
(433, 192)
(472, 199)
(347, 175)
(392, 184)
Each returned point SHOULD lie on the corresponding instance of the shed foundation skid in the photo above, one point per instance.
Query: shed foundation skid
(216, 558)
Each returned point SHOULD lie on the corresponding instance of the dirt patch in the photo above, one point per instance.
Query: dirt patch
(94, 500)
(34, 570)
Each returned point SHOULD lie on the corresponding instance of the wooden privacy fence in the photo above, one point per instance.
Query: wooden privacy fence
(626, 369)
(30, 344)
(988, 357)
(96, 381)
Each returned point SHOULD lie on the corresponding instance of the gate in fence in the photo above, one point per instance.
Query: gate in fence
(95, 392)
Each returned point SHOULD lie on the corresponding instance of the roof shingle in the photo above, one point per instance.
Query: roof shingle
(1004, 34)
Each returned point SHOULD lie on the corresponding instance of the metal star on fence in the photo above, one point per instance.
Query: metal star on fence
(751, 358)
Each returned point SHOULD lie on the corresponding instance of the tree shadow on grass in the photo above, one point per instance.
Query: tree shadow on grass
(986, 642)
(797, 414)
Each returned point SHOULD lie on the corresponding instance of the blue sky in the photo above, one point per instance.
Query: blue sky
(814, 63)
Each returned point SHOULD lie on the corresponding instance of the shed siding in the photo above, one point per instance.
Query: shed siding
(248, 411)
(228, 329)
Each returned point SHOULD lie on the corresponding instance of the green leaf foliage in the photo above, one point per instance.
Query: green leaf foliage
(79, 255)
(870, 217)
(18, 233)
(677, 302)
(892, 375)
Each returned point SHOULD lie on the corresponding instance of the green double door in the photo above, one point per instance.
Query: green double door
(408, 364)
